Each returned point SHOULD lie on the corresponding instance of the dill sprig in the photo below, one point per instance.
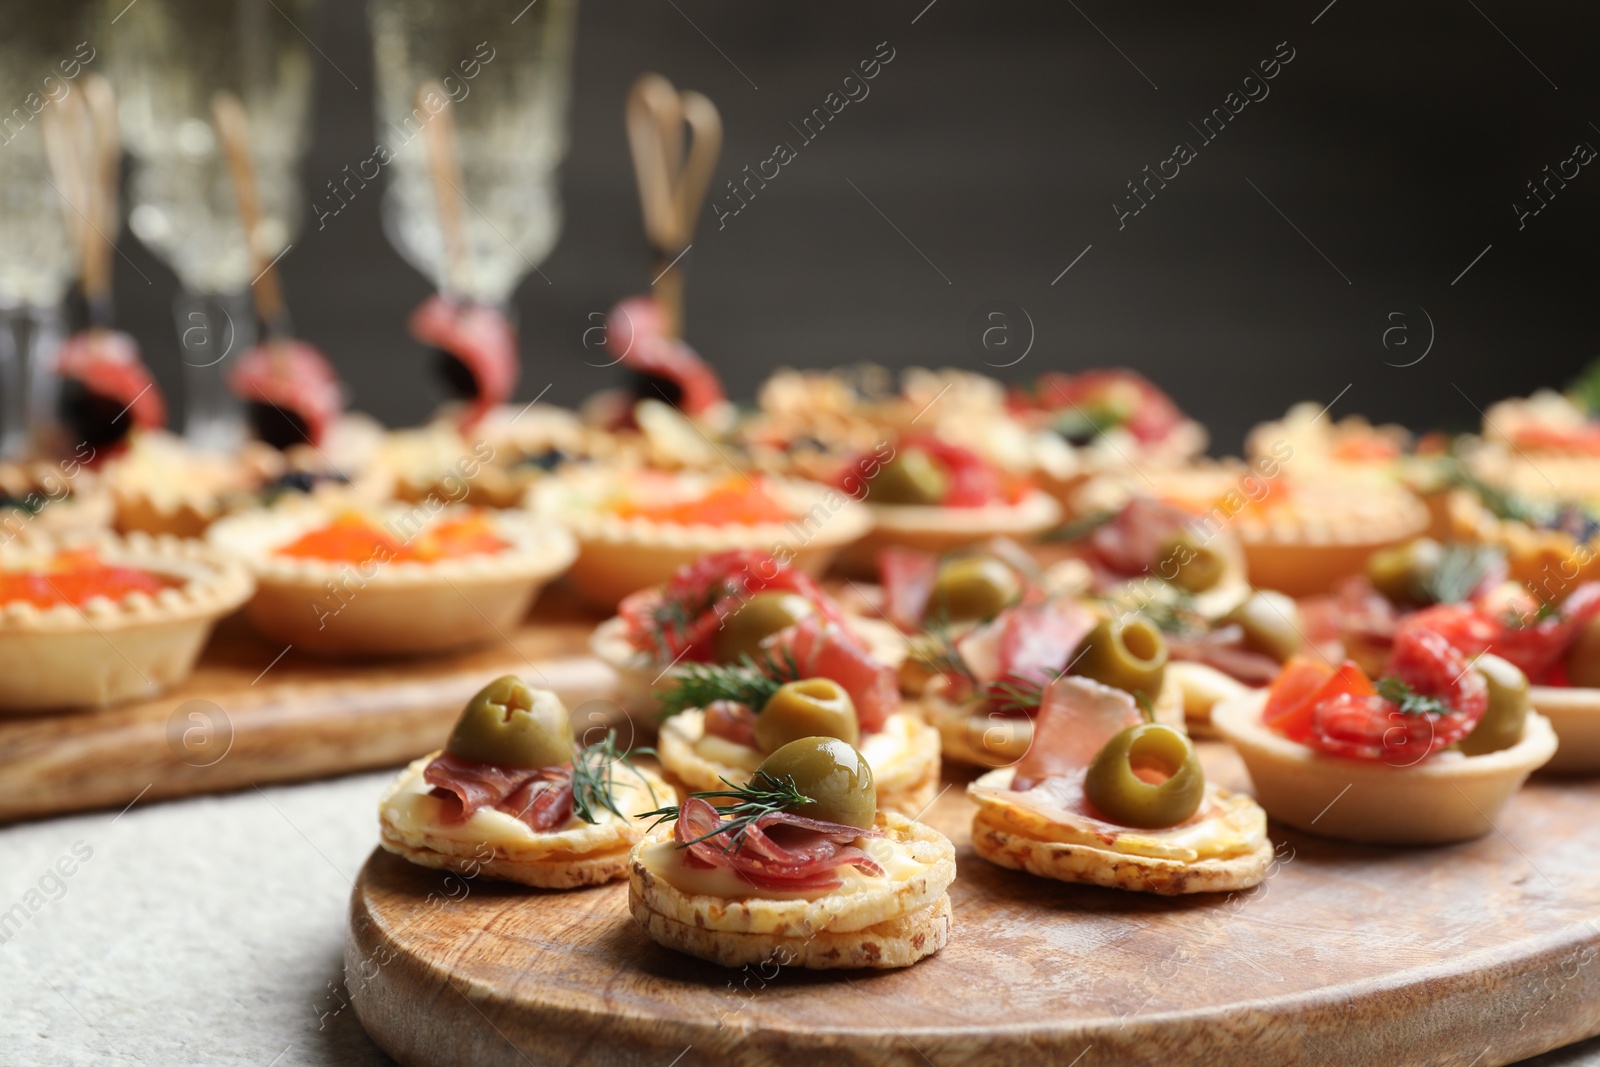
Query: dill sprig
(765, 794)
(938, 652)
(594, 783)
(1407, 700)
(750, 682)
(1461, 569)
(1016, 695)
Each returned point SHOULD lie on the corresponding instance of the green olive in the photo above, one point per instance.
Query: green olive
(1507, 714)
(1403, 573)
(833, 774)
(756, 620)
(1125, 653)
(1189, 563)
(973, 589)
(812, 707)
(1146, 776)
(911, 477)
(1271, 624)
(511, 724)
(1583, 658)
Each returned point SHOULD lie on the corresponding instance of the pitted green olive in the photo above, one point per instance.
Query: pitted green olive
(510, 724)
(1402, 573)
(1507, 715)
(756, 620)
(973, 589)
(1126, 653)
(812, 707)
(1271, 624)
(1146, 776)
(911, 477)
(833, 774)
(1189, 563)
(1583, 658)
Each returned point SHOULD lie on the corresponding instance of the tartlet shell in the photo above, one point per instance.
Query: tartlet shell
(1574, 714)
(1432, 802)
(338, 608)
(107, 652)
(618, 556)
(940, 529)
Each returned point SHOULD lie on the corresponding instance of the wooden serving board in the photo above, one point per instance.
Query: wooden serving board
(248, 717)
(1476, 954)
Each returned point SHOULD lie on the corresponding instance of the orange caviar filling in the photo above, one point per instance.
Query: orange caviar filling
(353, 539)
(76, 577)
(1365, 450)
(732, 502)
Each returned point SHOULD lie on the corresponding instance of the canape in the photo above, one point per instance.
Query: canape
(929, 494)
(720, 609)
(813, 681)
(636, 528)
(1430, 752)
(511, 795)
(97, 618)
(1349, 450)
(989, 684)
(51, 498)
(392, 580)
(797, 868)
(1106, 797)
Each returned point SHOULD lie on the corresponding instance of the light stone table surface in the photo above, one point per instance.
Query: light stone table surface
(205, 931)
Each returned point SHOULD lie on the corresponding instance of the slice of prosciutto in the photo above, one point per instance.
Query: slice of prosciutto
(112, 391)
(1030, 644)
(637, 338)
(779, 851)
(1131, 543)
(541, 798)
(1076, 719)
(907, 576)
(826, 650)
(481, 339)
(293, 391)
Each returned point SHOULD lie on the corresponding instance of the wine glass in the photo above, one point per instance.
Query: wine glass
(507, 77)
(168, 60)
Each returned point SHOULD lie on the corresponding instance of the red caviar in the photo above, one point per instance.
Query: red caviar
(76, 577)
(731, 502)
(352, 538)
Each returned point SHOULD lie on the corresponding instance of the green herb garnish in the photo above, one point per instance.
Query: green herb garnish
(749, 682)
(1079, 528)
(1461, 569)
(594, 778)
(1408, 701)
(766, 794)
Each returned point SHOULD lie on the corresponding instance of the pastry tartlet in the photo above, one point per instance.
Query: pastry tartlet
(513, 797)
(97, 618)
(1429, 753)
(1349, 450)
(392, 580)
(797, 868)
(636, 528)
(52, 499)
(930, 495)
(986, 687)
(1105, 797)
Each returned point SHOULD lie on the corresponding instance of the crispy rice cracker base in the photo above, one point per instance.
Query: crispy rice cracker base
(897, 942)
(833, 913)
(1116, 870)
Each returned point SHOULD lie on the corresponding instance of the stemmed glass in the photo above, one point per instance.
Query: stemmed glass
(168, 60)
(506, 74)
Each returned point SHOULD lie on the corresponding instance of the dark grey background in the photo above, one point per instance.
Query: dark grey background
(996, 141)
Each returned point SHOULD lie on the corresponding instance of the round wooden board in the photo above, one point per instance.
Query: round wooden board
(1471, 954)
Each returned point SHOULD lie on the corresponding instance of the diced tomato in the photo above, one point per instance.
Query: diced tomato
(1289, 700)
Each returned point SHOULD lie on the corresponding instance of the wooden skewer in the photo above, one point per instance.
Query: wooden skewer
(102, 174)
(673, 178)
(64, 141)
(233, 130)
(444, 166)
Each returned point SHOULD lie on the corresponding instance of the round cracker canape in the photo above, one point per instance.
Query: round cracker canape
(636, 528)
(52, 498)
(1428, 753)
(95, 618)
(392, 580)
(718, 609)
(929, 494)
(722, 721)
(798, 868)
(1111, 422)
(513, 797)
(1103, 796)
(986, 686)
(1349, 450)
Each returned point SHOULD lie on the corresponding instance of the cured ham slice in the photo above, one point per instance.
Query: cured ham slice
(1132, 541)
(117, 392)
(1221, 650)
(293, 389)
(1076, 719)
(1037, 641)
(908, 577)
(482, 339)
(732, 722)
(824, 650)
(541, 798)
(778, 851)
(637, 338)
